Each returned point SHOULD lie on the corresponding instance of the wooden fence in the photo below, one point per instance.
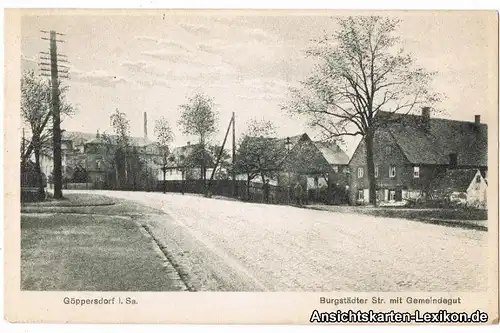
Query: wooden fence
(254, 192)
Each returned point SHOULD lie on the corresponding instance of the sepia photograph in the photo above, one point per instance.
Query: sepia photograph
(172, 152)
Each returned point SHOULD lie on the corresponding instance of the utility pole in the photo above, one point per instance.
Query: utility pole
(55, 107)
(234, 159)
(221, 152)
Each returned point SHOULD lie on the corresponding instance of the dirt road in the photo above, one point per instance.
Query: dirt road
(222, 245)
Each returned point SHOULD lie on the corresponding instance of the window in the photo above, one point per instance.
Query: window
(388, 150)
(392, 195)
(416, 172)
(336, 168)
(98, 164)
(376, 171)
(453, 160)
(478, 179)
(392, 172)
(361, 195)
(360, 172)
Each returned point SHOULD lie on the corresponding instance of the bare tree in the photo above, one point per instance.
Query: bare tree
(199, 118)
(35, 109)
(36, 113)
(164, 137)
(362, 70)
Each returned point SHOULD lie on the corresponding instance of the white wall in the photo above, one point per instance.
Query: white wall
(46, 164)
(321, 182)
(172, 175)
(477, 192)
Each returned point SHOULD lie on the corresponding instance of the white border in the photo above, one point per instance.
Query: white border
(255, 4)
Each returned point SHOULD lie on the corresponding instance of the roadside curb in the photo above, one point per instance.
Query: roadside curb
(169, 264)
(444, 222)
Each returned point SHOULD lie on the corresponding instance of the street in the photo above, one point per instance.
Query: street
(225, 245)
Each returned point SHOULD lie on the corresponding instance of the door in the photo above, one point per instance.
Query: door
(399, 194)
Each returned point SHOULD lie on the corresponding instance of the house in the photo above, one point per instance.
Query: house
(184, 163)
(466, 187)
(177, 159)
(318, 164)
(96, 159)
(411, 152)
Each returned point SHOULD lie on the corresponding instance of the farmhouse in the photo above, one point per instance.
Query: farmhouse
(316, 165)
(413, 152)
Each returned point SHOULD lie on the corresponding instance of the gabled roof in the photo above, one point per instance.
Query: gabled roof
(80, 138)
(187, 150)
(293, 140)
(96, 141)
(332, 152)
(443, 137)
(456, 180)
(177, 152)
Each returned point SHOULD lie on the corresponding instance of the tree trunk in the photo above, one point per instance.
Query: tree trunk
(117, 177)
(126, 169)
(371, 168)
(38, 172)
(164, 182)
(263, 183)
(248, 187)
(183, 176)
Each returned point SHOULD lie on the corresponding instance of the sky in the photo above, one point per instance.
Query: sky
(152, 62)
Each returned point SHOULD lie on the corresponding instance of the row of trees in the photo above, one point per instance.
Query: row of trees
(198, 118)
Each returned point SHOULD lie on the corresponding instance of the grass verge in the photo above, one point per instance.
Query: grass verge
(90, 251)
(74, 200)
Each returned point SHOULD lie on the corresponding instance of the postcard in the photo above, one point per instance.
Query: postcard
(251, 167)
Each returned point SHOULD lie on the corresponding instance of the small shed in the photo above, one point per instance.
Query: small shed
(465, 187)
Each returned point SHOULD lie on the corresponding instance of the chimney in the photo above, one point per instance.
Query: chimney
(97, 134)
(477, 119)
(145, 125)
(189, 143)
(426, 118)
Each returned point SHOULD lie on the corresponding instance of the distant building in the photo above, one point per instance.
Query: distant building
(184, 162)
(413, 152)
(87, 151)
